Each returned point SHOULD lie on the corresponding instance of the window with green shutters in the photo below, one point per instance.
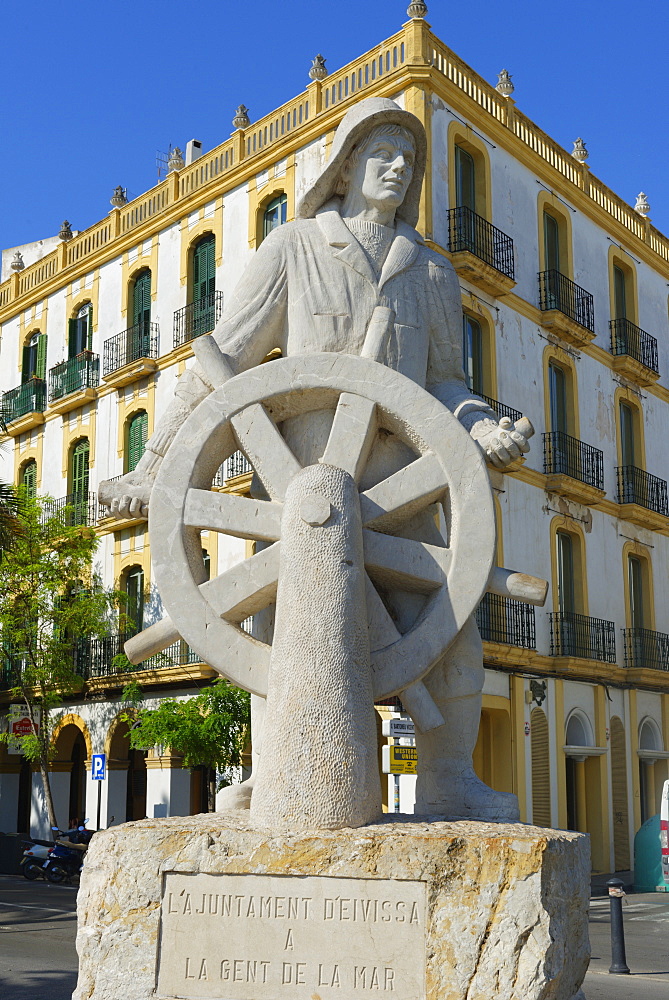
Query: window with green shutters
(34, 358)
(137, 434)
(275, 214)
(134, 589)
(79, 459)
(80, 334)
(465, 179)
(141, 299)
(204, 267)
(29, 478)
(619, 293)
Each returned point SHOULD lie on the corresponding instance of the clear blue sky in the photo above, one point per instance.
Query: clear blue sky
(92, 89)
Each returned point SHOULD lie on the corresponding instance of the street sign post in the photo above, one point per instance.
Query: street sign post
(99, 773)
(398, 727)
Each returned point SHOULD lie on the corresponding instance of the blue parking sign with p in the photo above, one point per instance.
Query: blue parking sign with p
(98, 766)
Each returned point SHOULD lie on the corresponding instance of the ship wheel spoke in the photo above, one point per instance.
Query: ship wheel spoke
(241, 517)
(352, 434)
(405, 564)
(246, 588)
(260, 440)
(389, 504)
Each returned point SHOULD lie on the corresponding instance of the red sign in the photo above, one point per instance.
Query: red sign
(23, 727)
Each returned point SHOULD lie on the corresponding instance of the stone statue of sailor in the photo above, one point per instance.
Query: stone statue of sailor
(313, 286)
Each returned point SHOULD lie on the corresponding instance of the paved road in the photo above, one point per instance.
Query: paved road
(38, 924)
(38, 960)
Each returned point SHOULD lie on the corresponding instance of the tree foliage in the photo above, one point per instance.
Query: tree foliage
(51, 605)
(10, 521)
(210, 729)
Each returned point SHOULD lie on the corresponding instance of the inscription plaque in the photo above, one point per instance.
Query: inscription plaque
(278, 937)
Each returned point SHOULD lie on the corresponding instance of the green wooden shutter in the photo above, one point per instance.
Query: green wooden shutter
(25, 365)
(137, 436)
(619, 293)
(141, 299)
(72, 330)
(204, 267)
(88, 342)
(465, 179)
(79, 469)
(40, 367)
(29, 478)
(551, 243)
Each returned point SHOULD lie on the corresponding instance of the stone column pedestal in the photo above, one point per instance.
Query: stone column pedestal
(206, 907)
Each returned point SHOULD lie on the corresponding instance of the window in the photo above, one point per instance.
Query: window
(551, 243)
(136, 436)
(204, 268)
(627, 449)
(472, 352)
(557, 392)
(141, 301)
(465, 179)
(80, 336)
(34, 358)
(29, 477)
(275, 214)
(206, 559)
(566, 597)
(635, 583)
(78, 471)
(619, 293)
(134, 590)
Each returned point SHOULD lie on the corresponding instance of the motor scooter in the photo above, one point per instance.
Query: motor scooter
(66, 857)
(32, 862)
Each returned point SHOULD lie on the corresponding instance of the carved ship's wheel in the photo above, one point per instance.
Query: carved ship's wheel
(374, 409)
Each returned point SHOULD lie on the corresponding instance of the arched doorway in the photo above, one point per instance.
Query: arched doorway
(651, 769)
(492, 753)
(68, 774)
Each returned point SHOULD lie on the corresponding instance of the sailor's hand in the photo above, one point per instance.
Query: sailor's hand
(501, 443)
(129, 506)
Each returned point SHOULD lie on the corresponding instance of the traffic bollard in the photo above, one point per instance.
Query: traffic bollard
(619, 964)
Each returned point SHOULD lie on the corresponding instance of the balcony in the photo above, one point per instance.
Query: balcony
(235, 474)
(501, 619)
(573, 469)
(99, 657)
(642, 498)
(501, 409)
(197, 318)
(646, 649)
(480, 252)
(130, 355)
(23, 407)
(634, 352)
(74, 382)
(568, 309)
(583, 637)
(80, 509)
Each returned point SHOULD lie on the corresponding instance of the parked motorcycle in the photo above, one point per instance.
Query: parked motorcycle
(34, 857)
(66, 857)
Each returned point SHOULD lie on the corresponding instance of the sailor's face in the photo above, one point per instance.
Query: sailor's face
(384, 170)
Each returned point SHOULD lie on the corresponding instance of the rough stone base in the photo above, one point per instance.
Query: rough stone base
(505, 913)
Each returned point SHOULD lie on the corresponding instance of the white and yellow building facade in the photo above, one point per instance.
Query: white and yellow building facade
(564, 291)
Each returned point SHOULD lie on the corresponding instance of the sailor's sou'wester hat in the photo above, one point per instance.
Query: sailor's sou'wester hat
(354, 126)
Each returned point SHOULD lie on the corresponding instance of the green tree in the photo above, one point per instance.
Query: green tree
(210, 729)
(10, 523)
(51, 606)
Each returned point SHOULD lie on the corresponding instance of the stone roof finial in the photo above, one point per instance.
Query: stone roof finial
(318, 70)
(65, 233)
(118, 199)
(504, 85)
(579, 152)
(17, 262)
(642, 206)
(176, 160)
(417, 9)
(241, 119)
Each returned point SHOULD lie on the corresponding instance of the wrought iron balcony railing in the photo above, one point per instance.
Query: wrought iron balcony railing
(27, 398)
(557, 291)
(501, 619)
(578, 635)
(501, 409)
(197, 318)
(468, 231)
(567, 456)
(73, 375)
(99, 656)
(80, 509)
(237, 465)
(645, 648)
(140, 341)
(626, 338)
(637, 486)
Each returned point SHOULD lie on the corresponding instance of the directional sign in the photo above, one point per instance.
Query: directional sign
(398, 727)
(98, 767)
(399, 760)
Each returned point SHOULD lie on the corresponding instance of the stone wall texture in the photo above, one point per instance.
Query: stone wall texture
(506, 904)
